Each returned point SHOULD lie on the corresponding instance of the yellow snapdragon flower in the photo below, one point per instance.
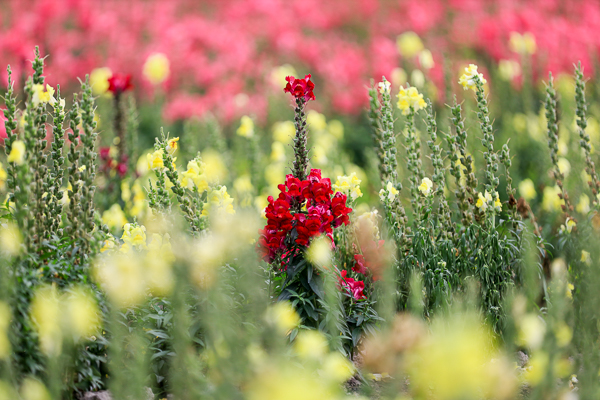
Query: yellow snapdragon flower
(134, 235)
(278, 74)
(109, 244)
(349, 185)
(409, 44)
(468, 79)
(17, 153)
(568, 226)
(483, 200)
(522, 44)
(585, 257)
(114, 217)
(157, 68)
(385, 87)
(388, 193)
(509, 69)
(426, 186)
(155, 160)
(246, 128)
(426, 59)
(43, 96)
(99, 81)
(219, 199)
(410, 98)
(551, 201)
(195, 176)
(527, 189)
(316, 121)
(283, 316)
(172, 145)
(284, 132)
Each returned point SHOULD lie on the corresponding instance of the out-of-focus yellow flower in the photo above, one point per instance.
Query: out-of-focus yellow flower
(134, 235)
(275, 174)
(158, 263)
(243, 184)
(82, 313)
(563, 334)
(316, 121)
(497, 203)
(551, 201)
(114, 217)
(43, 96)
(3, 176)
(483, 200)
(531, 331)
(538, 365)
(46, 315)
(278, 74)
(455, 362)
(311, 344)
(417, 78)
(214, 167)
(410, 98)
(399, 77)
(349, 185)
(261, 202)
(122, 276)
(99, 81)
(426, 59)
(583, 206)
(509, 69)
(5, 316)
(527, 189)
(157, 68)
(468, 79)
(569, 292)
(283, 316)
(195, 176)
(337, 368)
(109, 244)
(409, 44)
(585, 257)
(336, 129)
(426, 186)
(246, 128)
(564, 166)
(172, 145)
(319, 252)
(277, 152)
(284, 131)
(17, 153)
(10, 239)
(219, 200)
(32, 389)
(155, 160)
(522, 44)
(388, 193)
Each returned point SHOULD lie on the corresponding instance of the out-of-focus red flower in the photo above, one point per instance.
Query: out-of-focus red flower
(119, 83)
(104, 153)
(360, 265)
(300, 88)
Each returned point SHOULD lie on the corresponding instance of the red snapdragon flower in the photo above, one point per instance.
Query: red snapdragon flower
(354, 287)
(300, 88)
(119, 83)
(360, 264)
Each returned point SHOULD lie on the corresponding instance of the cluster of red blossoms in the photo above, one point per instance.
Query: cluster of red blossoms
(353, 286)
(323, 213)
(109, 164)
(300, 88)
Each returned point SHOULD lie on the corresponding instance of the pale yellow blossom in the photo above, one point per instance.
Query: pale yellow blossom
(157, 68)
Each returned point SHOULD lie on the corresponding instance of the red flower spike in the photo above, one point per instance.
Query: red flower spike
(300, 88)
(360, 266)
(119, 83)
(354, 287)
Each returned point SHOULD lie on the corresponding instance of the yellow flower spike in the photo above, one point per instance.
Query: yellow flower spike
(172, 145)
(246, 128)
(219, 200)
(283, 316)
(278, 152)
(349, 185)
(569, 291)
(385, 87)
(483, 201)
(551, 201)
(99, 81)
(337, 368)
(509, 69)
(155, 160)
(426, 186)
(157, 68)
(409, 44)
(538, 365)
(43, 96)
(497, 204)
(32, 389)
(109, 244)
(531, 331)
(388, 193)
(5, 317)
(319, 252)
(426, 59)
(563, 334)
(122, 276)
(468, 79)
(585, 257)
(17, 153)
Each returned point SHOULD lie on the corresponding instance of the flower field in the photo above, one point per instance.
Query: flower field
(300, 200)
